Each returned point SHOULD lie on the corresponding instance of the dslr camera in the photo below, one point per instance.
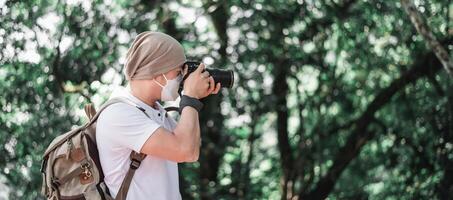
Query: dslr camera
(224, 77)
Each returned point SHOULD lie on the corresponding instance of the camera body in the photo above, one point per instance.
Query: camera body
(224, 77)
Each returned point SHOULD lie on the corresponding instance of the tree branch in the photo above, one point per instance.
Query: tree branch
(360, 136)
(424, 30)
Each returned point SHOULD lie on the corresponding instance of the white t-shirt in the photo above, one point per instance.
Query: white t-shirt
(122, 128)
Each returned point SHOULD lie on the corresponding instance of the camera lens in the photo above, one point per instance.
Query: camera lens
(224, 77)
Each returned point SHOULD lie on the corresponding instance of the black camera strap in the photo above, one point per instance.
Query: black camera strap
(172, 108)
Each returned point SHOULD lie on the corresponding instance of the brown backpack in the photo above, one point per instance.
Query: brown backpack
(71, 168)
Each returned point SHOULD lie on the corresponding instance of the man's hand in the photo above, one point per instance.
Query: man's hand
(200, 84)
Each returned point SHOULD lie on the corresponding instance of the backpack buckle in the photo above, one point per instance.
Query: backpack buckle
(136, 159)
(86, 169)
(55, 183)
(135, 164)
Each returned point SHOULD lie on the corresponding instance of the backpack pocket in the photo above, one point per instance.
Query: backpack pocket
(72, 170)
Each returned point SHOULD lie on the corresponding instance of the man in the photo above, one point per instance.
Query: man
(154, 69)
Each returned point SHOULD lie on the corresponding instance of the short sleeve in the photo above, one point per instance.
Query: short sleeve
(126, 126)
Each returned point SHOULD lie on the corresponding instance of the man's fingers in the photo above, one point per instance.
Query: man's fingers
(200, 68)
(217, 89)
(211, 85)
(185, 70)
(205, 74)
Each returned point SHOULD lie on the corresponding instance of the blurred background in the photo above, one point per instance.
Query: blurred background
(337, 99)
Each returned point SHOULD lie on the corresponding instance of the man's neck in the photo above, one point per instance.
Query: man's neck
(150, 102)
(145, 98)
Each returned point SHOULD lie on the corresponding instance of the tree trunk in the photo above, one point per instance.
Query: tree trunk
(211, 122)
(280, 90)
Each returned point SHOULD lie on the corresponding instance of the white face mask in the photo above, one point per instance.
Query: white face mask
(170, 90)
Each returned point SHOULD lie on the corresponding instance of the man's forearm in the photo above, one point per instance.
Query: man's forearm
(188, 133)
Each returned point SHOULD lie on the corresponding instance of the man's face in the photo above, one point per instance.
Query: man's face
(170, 75)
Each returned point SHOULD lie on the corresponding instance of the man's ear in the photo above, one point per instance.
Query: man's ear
(159, 79)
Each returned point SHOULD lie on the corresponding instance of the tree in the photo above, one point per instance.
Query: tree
(332, 99)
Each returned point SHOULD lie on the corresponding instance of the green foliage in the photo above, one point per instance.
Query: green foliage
(308, 74)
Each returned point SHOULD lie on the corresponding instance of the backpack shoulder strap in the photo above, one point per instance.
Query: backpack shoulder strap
(135, 157)
(113, 101)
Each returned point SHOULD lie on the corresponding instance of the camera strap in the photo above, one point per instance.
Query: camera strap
(172, 108)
